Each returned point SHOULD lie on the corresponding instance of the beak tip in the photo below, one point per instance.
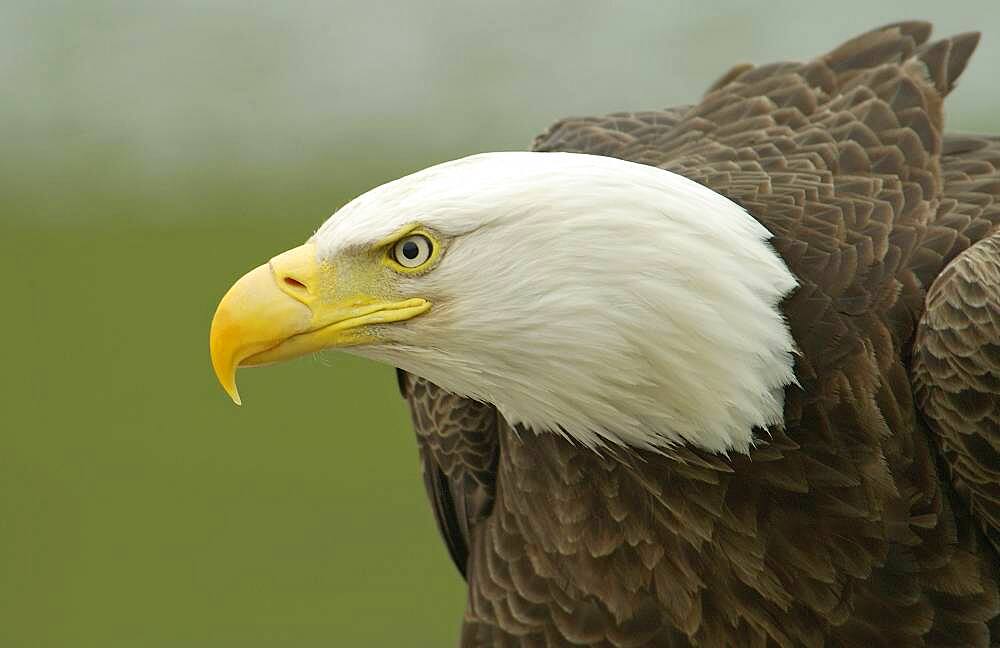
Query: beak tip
(231, 390)
(225, 373)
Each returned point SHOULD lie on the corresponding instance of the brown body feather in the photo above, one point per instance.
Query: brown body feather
(873, 517)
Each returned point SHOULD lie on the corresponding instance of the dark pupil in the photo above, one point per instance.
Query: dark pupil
(411, 250)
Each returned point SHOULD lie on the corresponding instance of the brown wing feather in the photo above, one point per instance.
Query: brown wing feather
(609, 135)
(957, 376)
(836, 530)
(957, 350)
(970, 206)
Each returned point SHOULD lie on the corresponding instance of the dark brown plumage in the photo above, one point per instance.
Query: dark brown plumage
(873, 517)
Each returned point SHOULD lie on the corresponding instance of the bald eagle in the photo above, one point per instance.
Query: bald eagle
(723, 374)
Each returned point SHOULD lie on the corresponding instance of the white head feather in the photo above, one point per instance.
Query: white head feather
(608, 301)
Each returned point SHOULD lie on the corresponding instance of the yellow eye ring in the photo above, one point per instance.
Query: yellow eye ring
(412, 250)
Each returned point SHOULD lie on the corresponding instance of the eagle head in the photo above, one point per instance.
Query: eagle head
(607, 301)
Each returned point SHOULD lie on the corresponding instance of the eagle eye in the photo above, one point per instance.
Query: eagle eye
(413, 251)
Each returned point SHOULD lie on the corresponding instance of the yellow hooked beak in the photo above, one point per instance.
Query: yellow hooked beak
(284, 309)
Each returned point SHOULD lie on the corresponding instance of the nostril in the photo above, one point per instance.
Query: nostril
(295, 283)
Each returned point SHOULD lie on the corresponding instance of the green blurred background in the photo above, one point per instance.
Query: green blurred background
(151, 153)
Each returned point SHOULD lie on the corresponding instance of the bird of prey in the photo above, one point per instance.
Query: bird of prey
(725, 374)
